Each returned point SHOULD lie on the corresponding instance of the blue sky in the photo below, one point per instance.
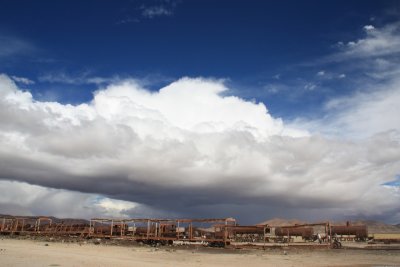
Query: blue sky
(250, 109)
(249, 44)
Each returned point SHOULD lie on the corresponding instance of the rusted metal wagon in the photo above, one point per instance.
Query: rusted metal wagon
(356, 232)
(306, 233)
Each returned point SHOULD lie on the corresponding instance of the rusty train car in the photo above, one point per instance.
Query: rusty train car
(359, 232)
(249, 234)
(306, 233)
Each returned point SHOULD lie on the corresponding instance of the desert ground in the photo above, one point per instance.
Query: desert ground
(34, 253)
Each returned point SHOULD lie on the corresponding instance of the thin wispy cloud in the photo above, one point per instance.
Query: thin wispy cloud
(79, 79)
(12, 46)
(156, 11)
(371, 107)
(150, 10)
(371, 61)
(376, 42)
(159, 8)
(87, 78)
(22, 80)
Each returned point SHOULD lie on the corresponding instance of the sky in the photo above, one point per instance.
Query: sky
(189, 108)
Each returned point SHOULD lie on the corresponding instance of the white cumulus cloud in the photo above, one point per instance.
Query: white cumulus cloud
(187, 147)
(369, 27)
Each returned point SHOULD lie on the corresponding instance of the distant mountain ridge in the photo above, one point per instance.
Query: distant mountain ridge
(282, 222)
(54, 219)
(373, 226)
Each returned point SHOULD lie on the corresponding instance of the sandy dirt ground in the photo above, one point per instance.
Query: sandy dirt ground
(38, 253)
